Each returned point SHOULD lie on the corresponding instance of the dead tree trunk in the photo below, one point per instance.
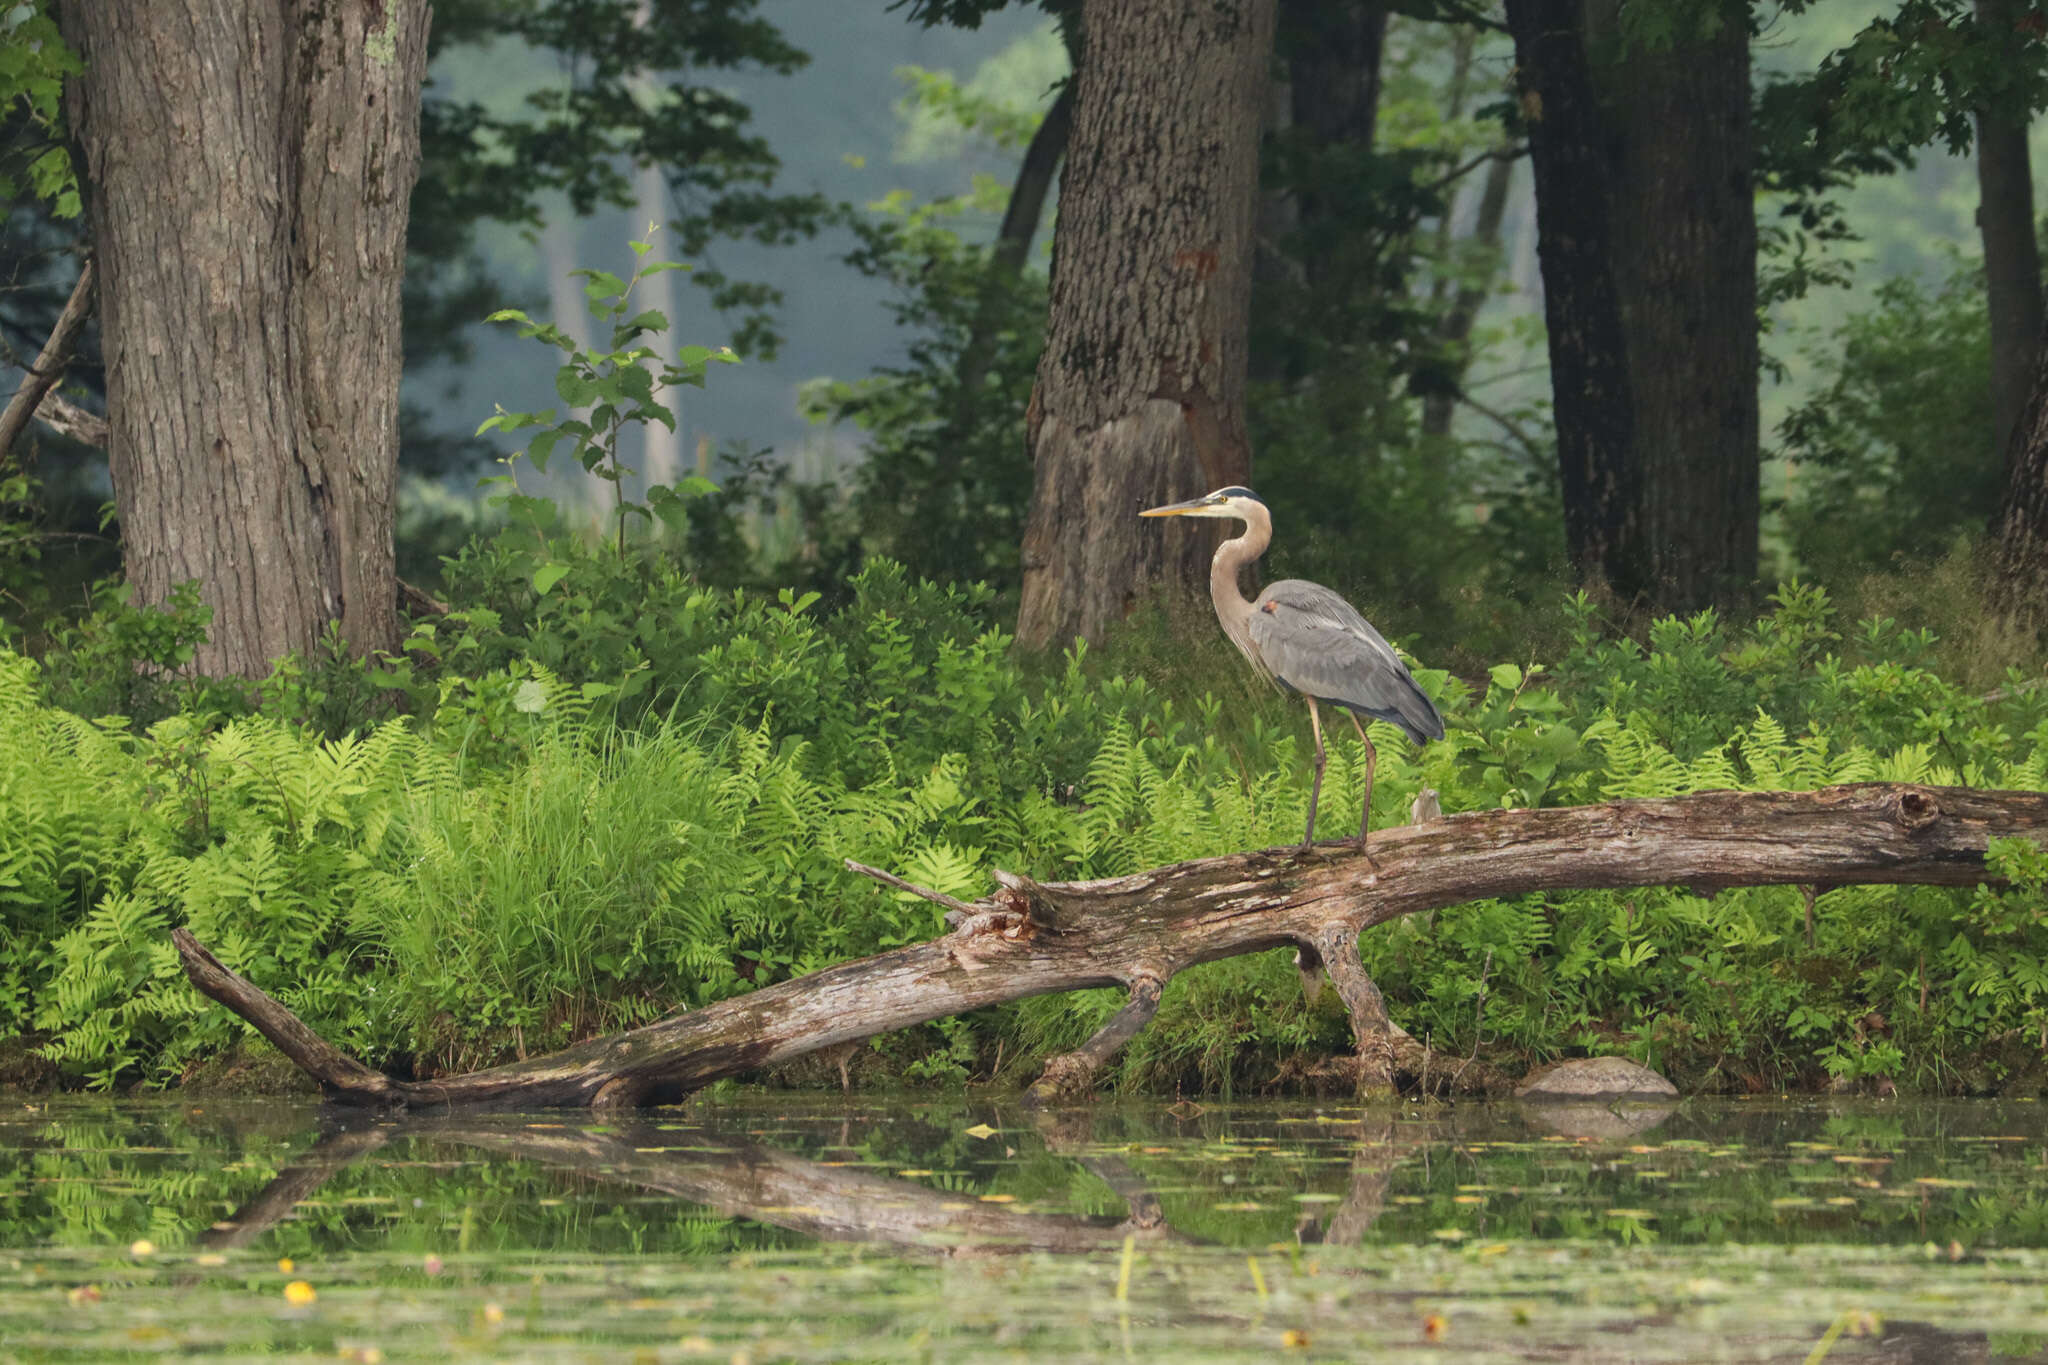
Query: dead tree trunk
(1029, 938)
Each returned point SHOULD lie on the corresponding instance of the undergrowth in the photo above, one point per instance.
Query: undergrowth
(628, 794)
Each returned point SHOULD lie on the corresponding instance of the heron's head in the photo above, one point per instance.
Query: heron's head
(1224, 502)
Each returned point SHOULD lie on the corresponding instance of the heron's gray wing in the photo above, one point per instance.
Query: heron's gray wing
(1315, 642)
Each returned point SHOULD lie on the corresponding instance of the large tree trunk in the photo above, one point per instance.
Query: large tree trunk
(2012, 255)
(2020, 529)
(1151, 286)
(1684, 234)
(1320, 114)
(249, 167)
(1333, 68)
(1647, 236)
(1028, 938)
(1592, 405)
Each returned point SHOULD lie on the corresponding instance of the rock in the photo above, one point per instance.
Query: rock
(1601, 1122)
(1597, 1078)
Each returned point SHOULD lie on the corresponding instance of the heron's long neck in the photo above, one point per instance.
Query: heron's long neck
(1232, 607)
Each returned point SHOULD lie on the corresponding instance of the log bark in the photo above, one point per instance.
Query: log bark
(1029, 938)
(1150, 299)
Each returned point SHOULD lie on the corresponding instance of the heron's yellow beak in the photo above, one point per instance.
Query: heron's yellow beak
(1176, 509)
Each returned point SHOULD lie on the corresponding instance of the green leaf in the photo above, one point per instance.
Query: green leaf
(602, 285)
(575, 390)
(541, 447)
(652, 320)
(530, 697)
(1507, 676)
(545, 577)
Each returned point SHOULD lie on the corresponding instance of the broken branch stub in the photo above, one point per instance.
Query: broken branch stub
(1138, 931)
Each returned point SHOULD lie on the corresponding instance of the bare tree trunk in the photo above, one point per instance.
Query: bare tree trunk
(1151, 287)
(2020, 530)
(249, 168)
(1647, 234)
(1139, 931)
(2012, 254)
(1592, 403)
(1333, 68)
(1683, 219)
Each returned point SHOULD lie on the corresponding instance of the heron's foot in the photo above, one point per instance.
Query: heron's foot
(1370, 861)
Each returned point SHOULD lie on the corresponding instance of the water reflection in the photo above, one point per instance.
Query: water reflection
(1701, 1231)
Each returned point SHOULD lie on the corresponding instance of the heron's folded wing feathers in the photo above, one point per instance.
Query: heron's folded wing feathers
(1317, 643)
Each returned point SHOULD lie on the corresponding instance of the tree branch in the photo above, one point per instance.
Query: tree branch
(49, 367)
(1029, 938)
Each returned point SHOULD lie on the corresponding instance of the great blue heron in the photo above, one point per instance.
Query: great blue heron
(1310, 641)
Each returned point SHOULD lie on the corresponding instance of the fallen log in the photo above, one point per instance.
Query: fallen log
(1031, 938)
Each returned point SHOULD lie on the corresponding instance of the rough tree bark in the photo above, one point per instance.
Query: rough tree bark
(1151, 286)
(1592, 405)
(2020, 529)
(249, 167)
(1138, 931)
(1684, 233)
(1321, 112)
(2012, 255)
(1647, 237)
(1333, 75)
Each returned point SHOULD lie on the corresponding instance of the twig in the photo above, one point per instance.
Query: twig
(1478, 1020)
(1506, 423)
(66, 418)
(419, 601)
(49, 367)
(935, 897)
(1507, 152)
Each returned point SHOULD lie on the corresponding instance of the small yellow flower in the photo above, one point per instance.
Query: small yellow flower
(493, 1314)
(141, 1247)
(284, 1265)
(1294, 1339)
(298, 1294)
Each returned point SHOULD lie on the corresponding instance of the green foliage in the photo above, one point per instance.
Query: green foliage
(1893, 455)
(594, 109)
(632, 794)
(946, 478)
(612, 389)
(34, 63)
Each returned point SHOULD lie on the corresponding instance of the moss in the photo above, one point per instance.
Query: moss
(249, 1067)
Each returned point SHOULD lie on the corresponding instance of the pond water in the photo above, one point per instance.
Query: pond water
(762, 1229)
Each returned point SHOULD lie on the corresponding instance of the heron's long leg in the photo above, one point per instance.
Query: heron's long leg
(1372, 758)
(1315, 792)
